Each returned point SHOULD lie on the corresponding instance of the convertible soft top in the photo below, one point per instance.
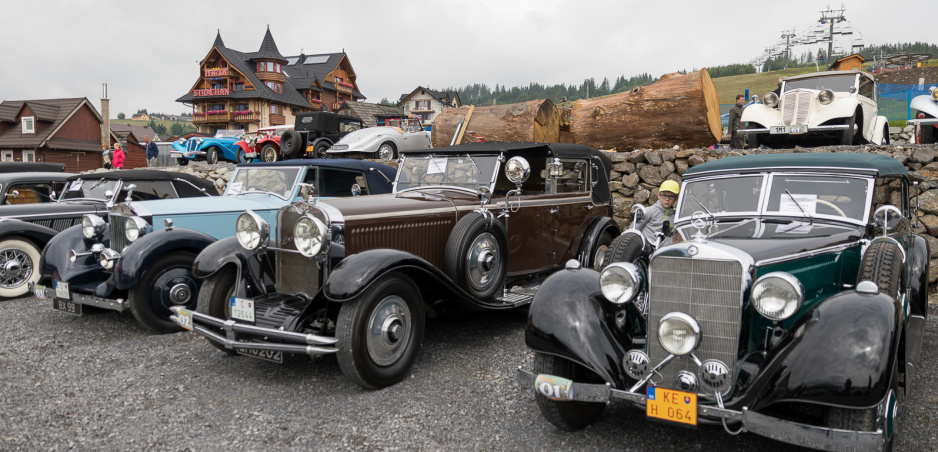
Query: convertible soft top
(184, 189)
(882, 165)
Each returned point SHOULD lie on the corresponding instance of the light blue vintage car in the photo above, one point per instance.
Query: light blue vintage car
(141, 259)
(223, 146)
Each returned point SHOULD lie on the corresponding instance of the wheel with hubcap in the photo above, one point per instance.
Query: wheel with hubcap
(599, 251)
(241, 156)
(168, 282)
(476, 255)
(566, 415)
(319, 151)
(211, 155)
(379, 332)
(182, 161)
(19, 259)
(387, 151)
(269, 153)
(214, 298)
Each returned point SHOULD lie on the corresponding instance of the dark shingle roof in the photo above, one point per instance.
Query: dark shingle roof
(52, 111)
(268, 50)
(218, 42)
(123, 130)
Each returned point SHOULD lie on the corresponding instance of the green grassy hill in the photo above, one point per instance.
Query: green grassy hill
(187, 125)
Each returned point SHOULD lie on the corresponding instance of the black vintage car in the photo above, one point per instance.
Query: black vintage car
(468, 227)
(791, 305)
(27, 228)
(315, 132)
(31, 187)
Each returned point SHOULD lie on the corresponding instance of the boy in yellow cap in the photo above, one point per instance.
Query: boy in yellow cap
(661, 211)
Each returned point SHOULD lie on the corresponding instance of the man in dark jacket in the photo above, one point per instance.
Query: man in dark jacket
(736, 113)
(153, 152)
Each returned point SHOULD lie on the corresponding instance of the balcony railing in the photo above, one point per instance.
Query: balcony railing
(202, 118)
(245, 117)
(277, 120)
(342, 88)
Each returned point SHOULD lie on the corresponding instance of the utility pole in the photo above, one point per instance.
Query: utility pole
(830, 16)
(787, 35)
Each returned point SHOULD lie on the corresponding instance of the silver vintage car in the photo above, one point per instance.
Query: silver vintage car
(382, 142)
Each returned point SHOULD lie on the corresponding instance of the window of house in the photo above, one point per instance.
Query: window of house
(29, 156)
(340, 99)
(241, 107)
(423, 116)
(339, 80)
(217, 86)
(277, 87)
(422, 105)
(29, 124)
(6, 156)
(276, 109)
(239, 86)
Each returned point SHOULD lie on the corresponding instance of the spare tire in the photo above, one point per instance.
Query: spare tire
(627, 247)
(476, 255)
(290, 143)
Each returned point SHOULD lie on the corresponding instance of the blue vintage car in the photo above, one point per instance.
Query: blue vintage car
(141, 259)
(223, 146)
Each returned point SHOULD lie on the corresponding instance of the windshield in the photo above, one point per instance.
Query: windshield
(447, 170)
(797, 195)
(836, 83)
(276, 181)
(89, 189)
(229, 133)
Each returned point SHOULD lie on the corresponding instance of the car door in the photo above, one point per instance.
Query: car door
(866, 95)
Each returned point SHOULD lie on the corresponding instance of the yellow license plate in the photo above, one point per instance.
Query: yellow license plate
(671, 405)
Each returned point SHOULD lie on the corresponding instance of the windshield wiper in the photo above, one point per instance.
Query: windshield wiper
(96, 185)
(798, 205)
(701, 205)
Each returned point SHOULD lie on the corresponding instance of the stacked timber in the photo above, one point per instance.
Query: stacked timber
(535, 120)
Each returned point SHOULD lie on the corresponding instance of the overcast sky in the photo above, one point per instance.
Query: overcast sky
(148, 52)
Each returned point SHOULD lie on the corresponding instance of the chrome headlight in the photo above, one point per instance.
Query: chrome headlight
(308, 235)
(92, 226)
(251, 230)
(678, 333)
(934, 92)
(825, 97)
(770, 99)
(621, 282)
(517, 170)
(777, 295)
(107, 257)
(134, 227)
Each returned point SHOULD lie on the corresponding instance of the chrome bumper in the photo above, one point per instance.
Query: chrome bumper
(781, 430)
(119, 304)
(814, 129)
(922, 122)
(309, 344)
(188, 155)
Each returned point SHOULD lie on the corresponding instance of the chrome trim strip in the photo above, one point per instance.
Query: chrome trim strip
(806, 254)
(234, 326)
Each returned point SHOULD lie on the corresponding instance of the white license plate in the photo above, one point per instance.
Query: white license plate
(184, 316)
(242, 309)
(778, 129)
(798, 129)
(61, 290)
(175, 154)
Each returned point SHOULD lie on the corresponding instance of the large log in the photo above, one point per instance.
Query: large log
(535, 120)
(678, 110)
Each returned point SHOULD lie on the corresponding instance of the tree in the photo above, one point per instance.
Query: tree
(176, 130)
(385, 101)
(142, 110)
(121, 116)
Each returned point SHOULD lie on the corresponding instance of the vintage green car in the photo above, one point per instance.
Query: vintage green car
(791, 304)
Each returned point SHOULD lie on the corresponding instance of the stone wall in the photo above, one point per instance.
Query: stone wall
(901, 135)
(637, 175)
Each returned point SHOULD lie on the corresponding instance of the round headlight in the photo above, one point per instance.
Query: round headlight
(777, 295)
(134, 227)
(678, 333)
(308, 235)
(825, 97)
(517, 170)
(92, 226)
(620, 282)
(770, 99)
(251, 230)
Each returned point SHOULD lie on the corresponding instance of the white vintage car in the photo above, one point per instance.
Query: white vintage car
(382, 142)
(925, 116)
(822, 108)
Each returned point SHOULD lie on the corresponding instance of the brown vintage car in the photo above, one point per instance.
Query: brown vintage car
(468, 227)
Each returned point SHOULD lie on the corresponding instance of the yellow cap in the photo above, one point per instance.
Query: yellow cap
(671, 186)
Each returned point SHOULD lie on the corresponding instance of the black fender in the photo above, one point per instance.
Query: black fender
(570, 318)
(137, 258)
(249, 266)
(595, 230)
(40, 235)
(918, 279)
(86, 270)
(840, 353)
(355, 273)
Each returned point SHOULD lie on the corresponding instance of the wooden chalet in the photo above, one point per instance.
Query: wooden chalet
(238, 90)
(426, 104)
(848, 63)
(60, 131)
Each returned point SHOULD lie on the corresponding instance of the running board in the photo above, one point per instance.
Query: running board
(518, 295)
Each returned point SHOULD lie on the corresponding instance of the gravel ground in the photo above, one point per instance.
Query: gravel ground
(101, 382)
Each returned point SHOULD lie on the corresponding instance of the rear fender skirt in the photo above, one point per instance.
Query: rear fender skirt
(571, 319)
(228, 251)
(838, 354)
(594, 231)
(54, 261)
(140, 255)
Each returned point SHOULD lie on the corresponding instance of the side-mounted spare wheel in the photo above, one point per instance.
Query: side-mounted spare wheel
(626, 247)
(168, 282)
(476, 255)
(882, 264)
(379, 333)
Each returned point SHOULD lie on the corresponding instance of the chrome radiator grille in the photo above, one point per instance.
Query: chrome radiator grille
(795, 107)
(116, 225)
(295, 273)
(707, 290)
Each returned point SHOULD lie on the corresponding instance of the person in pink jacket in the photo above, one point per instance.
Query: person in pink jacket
(118, 156)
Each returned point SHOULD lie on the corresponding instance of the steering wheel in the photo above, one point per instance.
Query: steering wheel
(832, 206)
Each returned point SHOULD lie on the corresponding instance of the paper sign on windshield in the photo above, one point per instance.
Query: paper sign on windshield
(806, 204)
(436, 166)
(235, 188)
(75, 186)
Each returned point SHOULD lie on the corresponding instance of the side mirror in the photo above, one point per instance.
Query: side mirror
(887, 217)
(14, 194)
(638, 214)
(666, 229)
(485, 195)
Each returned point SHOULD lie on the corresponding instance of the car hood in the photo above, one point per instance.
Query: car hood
(208, 205)
(768, 239)
(392, 207)
(23, 211)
